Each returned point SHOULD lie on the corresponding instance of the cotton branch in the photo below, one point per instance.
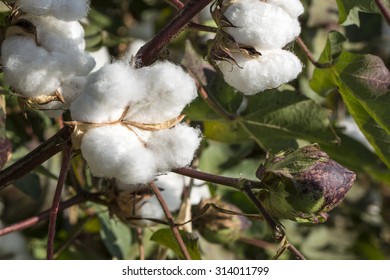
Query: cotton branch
(67, 157)
(149, 52)
(36, 157)
(171, 222)
(385, 12)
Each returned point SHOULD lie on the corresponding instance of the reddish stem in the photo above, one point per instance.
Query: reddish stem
(43, 215)
(385, 12)
(171, 222)
(36, 157)
(149, 52)
(310, 55)
(67, 157)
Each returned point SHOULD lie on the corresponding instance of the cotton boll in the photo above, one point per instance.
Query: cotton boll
(169, 90)
(68, 10)
(293, 7)
(29, 69)
(261, 25)
(70, 89)
(107, 93)
(175, 147)
(255, 74)
(115, 152)
(57, 35)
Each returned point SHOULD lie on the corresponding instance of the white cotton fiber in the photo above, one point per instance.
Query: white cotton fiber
(115, 152)
(149, 208)
(57, 35)
(293, 7)
(68, 10)
(107, 93)
(175, 147)
(29, 69)
(133, 49)
(169, 89)
(270, 70)
(261, 25)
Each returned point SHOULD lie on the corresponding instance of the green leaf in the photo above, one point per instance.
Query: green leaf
(349, 10)
(363, 82)
(166, 238)
(275, 120)
(116, 235)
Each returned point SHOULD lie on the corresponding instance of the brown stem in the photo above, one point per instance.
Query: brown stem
(385, 12)
(310, 55)
(67, 156)
(149, 52)
(141, 246)
(296, 252)
(36, 157)
(171, 222)
(82, 197)
(276, 227)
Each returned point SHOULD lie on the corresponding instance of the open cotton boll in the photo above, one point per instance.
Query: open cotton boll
(255, 74)
(29, 69)
(293, 7)
(175, 147)
(107, 93)
(68, 10)
(171, 186)
(261, 25)
(57, 35)
(70, 89)
(169, 90)
(114, 151)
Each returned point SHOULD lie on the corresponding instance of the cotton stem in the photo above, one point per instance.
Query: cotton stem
(171, 222)
(67, 157)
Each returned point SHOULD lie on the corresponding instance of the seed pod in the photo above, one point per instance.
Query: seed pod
(303, 185)
(218, 227)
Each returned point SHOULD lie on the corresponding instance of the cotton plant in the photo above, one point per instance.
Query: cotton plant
(43, 55)
(248, 47)
(128, 122)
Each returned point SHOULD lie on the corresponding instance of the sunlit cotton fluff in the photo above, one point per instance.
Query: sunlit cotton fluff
(151, 103)
(68, 10)
(169, 89)
(255, 74)
(108, 92)
(261, 25)
(175, 147)
(39, 66)
(115, 152)
(293, 7)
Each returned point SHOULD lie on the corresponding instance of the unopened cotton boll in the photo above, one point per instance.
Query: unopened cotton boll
(68, 10)
(175, 147)
(293, 7)
(107, 93)
(255, 74)
(114, 151)
(261, 25)
(169, 90)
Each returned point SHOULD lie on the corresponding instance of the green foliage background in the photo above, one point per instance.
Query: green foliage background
(349, 34)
